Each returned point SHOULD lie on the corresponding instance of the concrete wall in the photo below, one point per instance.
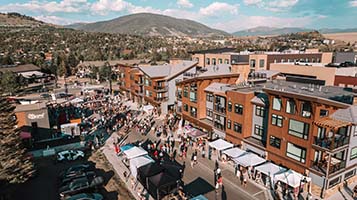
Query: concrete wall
(340, 57)
(322, 73)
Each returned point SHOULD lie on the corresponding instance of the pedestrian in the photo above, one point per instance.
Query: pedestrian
(203, 152)
(192, 160)
(245, 177)
(195, 158)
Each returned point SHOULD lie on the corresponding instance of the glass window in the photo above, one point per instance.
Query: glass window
(252, 63)
(229, 124)
(193, 97)
(238, 109)
(261, 63)
(299, 129)
(354, 153)
(290, 106)
(334, 182)
(237, 127)
(226, 61)
(193, 112)
(276, 120)
(208, 61)
(258, 130)
(274, 142)
(276, 103)
(296, 152)
(229, 106)
(220, 61)
(259, 111)
(185, 107)
(209, 113)
(323, 113)
(209, 97)
(185, 91)
(350, 174)
(306, 109)
(214, 61)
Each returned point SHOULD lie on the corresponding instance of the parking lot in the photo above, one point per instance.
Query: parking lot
(45, 185)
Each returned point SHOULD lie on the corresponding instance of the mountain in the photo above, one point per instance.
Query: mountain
(264, 31)
(19, 20)
(75, 25)
(338, 30)
(152, 25)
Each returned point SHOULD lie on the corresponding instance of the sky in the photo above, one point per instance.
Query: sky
(227, 15)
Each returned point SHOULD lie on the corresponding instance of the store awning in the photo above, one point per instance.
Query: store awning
(137, 162)
(291, 177)
(220, 144)
(270, 169)
(234, 152)
(135, 152)
(331, 123)
(25, 135)
(249, 159)
(77, 100)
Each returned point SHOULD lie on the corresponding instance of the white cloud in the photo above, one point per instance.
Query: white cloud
(184, 3)
(282, 3)
(64, 6)
(104, 6)
(56, 20)
(353, 3)
(217, 8)
(252, 2)
(246, 22)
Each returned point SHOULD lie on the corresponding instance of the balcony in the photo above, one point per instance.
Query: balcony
(220, 109)
(335, 165)
(161, 88)
(161, 99)
(331, 143)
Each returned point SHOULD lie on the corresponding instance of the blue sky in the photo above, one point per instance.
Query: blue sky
(227, 15)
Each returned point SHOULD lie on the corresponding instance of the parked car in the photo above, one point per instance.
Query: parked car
(75, 169)
(80, 174)
(80, 185)
(70, 155)
(86, 196)
(45, 96)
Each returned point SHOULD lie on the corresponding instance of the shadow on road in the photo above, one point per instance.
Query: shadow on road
(197, 187)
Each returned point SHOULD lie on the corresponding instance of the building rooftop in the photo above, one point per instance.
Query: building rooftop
(111, 62)
(30, 107)
(218, 87)
(168, 70)
(20, 68)
(220, 50)
(348, 115)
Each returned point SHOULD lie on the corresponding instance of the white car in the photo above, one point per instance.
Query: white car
(69, 155)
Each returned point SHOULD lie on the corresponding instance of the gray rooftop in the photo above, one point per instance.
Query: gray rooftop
(168, 70)
(216, 70)
(30, 107)
(347, 115)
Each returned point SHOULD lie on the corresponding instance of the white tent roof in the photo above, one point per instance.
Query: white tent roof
(135, 152)
(270, 169)
(220, 144)
(148, 108)
(137, 162)
(77, 100)
(291, 177)
(249, 159)
(234, 152)
(32, 73)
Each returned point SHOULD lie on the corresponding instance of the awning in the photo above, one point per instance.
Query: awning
(220, 144)
(77, 100)
(234, 152)
(137, 162)
(135, 152)
(291, 177)
(270, 169)
(126, 147)
(249, 159)
(331, 123)
(149, 170)
(199, 197)
(25, 135)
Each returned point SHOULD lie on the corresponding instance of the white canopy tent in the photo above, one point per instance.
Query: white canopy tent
(291, 177)
(135, 152)
(234, 152)
(77, 100)
(220, 144)
(249, 159)
(148, 108)
(138, 162)
(270, 169)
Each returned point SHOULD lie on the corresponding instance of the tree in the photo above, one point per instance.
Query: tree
(9, 82)
(15, 166)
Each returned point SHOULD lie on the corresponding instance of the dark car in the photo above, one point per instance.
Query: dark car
(80, 185)
(86, 196)
(45, 96)
(75, 169)
(80, 174)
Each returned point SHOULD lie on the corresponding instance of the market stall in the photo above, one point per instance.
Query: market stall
(137, 162)
(161, 185)
(135, 152)
(267, 171)
(220, 145)
(234, 152)
(249, 159)
(291, 178)
(146, 171)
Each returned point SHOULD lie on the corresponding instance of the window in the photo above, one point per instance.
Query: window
(193, 97)
(237, 127)
(208, 61)
(229, 124)
(252, 63)
(209, 113)
(354, 153)
(238, 109)
(259, 111)
(214, 61)
(323, 113)
(276, 103)
(185, 91)
(306, 109)
(261, 63)
(209, 97)
(226, 61)
(179, 93)
(274, 142)
(229, 106)
(296, 152)
(350, 174)
(299, 129)
(258, 130)
(220, 122)
(193, 112)
(276, 120)
(220, 61)
(185, 107)
(355, 133)
(290, 106)
(334, 182)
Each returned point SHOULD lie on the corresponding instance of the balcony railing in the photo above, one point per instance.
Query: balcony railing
(161, 99)
(331, 143)
(161, 88)
(220, 109)
(334, 167)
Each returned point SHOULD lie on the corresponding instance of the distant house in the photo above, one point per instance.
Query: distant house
(26, 70)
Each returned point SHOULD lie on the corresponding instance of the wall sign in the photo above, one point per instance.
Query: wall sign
(36, 116)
